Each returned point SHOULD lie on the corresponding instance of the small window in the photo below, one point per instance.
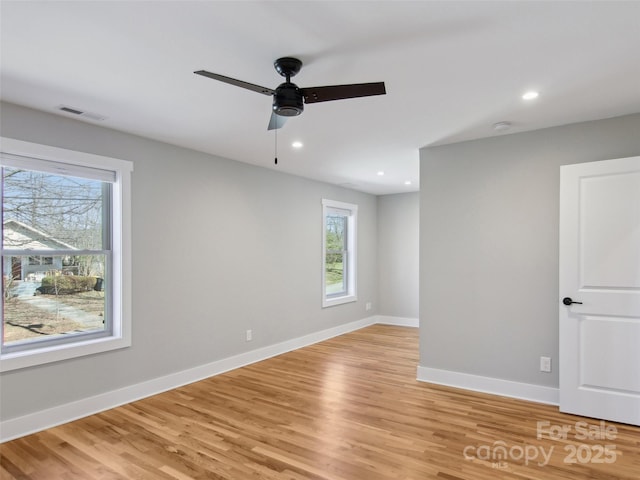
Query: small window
(65, 254)
(339, 252)
(40, 260)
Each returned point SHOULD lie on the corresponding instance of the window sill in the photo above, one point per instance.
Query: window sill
(55, 353)
(330, 302)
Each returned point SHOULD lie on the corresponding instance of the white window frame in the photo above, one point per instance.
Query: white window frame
(120, 335)
(351, 266)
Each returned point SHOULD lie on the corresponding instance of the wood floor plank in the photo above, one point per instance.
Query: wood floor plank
(349, 408)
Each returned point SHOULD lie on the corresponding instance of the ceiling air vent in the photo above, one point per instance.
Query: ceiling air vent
(80, 113)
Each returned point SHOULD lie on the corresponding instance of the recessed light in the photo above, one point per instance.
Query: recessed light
(297, 144)
(502, 126)
(530, 95)
(380, 173)
(407, 182)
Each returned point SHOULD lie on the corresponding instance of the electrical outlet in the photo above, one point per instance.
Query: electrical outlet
(249, 335)
(367, 306)
(545, 364)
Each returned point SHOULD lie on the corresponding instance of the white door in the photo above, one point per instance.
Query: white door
(600, 273)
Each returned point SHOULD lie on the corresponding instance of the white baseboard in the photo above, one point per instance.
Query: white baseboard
(495, 386)
(398, 321)
(35, 422)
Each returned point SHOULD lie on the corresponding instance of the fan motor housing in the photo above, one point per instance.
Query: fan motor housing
(288, 100)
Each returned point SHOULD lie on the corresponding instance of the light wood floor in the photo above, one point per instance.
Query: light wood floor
(344, 409)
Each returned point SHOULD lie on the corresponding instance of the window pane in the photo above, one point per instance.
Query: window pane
(52, 296)
(52, 300)
(335, 274)
(43, 211)
(336, 229)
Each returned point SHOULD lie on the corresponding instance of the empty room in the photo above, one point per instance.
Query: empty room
(328, 240)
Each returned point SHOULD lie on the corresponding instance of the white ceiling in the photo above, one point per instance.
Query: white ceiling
(452, 70)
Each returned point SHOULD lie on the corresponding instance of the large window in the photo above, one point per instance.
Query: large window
(339, 252)
(65, 254)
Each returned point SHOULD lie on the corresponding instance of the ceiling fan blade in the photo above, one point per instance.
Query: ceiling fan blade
(340, 92)
(237, 83)
(276, 121)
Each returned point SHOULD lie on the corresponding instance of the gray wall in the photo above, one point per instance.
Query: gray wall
(398, 231)
(218, 247)
(489, 246)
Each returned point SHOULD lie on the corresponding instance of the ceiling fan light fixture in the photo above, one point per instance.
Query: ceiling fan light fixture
(288, 100)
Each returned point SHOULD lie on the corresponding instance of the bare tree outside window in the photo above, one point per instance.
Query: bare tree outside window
(53, 262)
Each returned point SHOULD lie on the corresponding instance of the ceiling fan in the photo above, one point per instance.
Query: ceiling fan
(289, 99)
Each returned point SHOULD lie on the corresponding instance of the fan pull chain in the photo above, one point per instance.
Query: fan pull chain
(276, 148)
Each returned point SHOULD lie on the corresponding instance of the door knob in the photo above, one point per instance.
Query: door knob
(568, 301)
